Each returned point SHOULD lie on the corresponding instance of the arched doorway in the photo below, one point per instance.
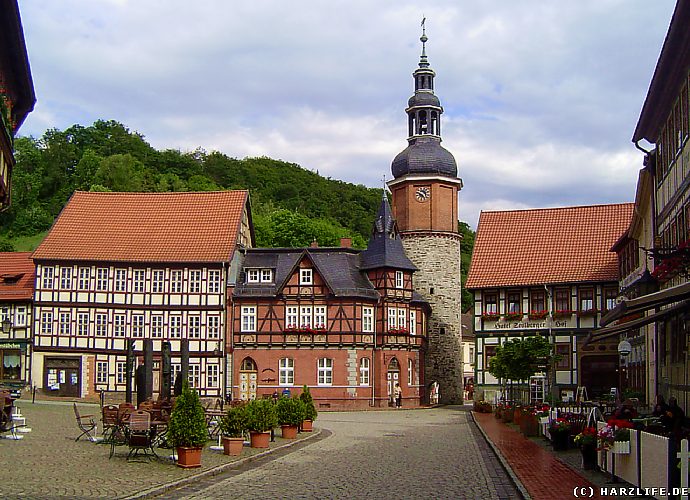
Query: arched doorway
(249, 376)
(393, 377)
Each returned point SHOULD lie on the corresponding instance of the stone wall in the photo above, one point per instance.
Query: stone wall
(438, 280)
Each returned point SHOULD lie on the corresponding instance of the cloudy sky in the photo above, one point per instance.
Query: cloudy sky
(541, 98)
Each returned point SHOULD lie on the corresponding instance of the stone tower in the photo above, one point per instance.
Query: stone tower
(425, 189)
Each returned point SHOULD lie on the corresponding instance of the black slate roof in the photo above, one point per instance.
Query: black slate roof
(339, 268)
(385, 246)
(424, 155)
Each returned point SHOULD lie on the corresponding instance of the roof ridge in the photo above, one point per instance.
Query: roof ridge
(544, 209)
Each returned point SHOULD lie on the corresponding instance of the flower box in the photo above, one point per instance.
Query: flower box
(398, 331)
(491, 316)
(563, 314)
(512, 316)
(537, 314)
(621, 447)
(543, 420)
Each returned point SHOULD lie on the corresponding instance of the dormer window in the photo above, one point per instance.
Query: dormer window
(305, 277)
(266, 276)
(399, 279)
(252, 275)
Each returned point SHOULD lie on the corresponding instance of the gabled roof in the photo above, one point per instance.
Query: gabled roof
(17, 275)
(146, 227)
(338, 267)
(385, 246)
(547, 246)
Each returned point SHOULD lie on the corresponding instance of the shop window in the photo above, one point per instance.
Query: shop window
(10, 364)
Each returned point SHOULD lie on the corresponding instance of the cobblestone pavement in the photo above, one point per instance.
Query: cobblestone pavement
(48, 463)
(431, 453)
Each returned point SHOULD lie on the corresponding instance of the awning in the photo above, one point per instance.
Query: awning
(641, 304)
(609, 331)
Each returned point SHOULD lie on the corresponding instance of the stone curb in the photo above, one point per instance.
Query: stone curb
(157, 490)
(506, 465)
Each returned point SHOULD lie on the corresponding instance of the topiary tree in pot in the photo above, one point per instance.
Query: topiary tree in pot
(290, 412)
(261, 415)
(232, 426)
(309, 409)
(187, 429)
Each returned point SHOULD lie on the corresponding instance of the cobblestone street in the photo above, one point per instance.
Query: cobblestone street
(435, 453)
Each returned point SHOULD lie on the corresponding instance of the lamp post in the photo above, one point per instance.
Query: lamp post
(6, 325)
(624, 350)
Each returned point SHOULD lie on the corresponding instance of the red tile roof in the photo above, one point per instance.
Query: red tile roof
(146, 227)
(17, 275)
(551, 245)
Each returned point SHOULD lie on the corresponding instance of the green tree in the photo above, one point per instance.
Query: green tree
(120, 172)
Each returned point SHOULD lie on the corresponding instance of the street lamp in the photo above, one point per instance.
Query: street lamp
(6, 325)
(624, 350)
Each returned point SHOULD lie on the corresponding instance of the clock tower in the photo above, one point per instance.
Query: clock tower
(425, 189)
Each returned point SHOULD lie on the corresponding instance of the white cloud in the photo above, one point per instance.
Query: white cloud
(541, 98)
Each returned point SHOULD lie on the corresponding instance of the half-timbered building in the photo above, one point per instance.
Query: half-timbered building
(119, 266)
(548, 272)
(17, 97)
(346, 323)
(16, 295)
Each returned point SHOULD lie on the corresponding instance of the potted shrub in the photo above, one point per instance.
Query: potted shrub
(187, 429)
(261, 419)
(290, 413)
(587, 442)
(232, 426)
(309, 410)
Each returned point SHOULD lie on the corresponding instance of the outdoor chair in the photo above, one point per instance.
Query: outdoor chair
(140, 435)
(113, 432)
(86, 424)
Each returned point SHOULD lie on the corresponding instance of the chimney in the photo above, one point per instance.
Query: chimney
(345, 242)
(314, 244)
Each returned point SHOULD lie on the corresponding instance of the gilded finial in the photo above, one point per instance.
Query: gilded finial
(423, 63)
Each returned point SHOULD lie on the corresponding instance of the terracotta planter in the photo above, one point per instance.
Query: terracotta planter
(188, 458)
(517, 415)
(289, 431)
(529, 425)
(507, 416)
(232, 446)
(497, 412)
(307, 426)
(259, 439)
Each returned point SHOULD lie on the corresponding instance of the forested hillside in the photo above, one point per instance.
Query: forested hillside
(291, 206)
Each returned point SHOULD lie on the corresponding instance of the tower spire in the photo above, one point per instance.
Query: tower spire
(423, 61)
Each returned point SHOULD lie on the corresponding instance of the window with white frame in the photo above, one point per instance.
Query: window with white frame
(195, 281)
(137, 325)
(367, 319)
(175, 327)
(176, 281)
(65, 326)
(102, 279)
(101, 372)
(82, 323)
(320, 317)
(157, 281)
(20, 317)
(157, 326)
(101, 325)
(48, 274)
(266, 276)
(66, 278)
(586, 299)
(392, 317)
(248, 319)
(399, 279)
(214, 281)
(119, 328)
(120, 280)
(121, 372)
(306, 277)
(194, 376)
(213, 327)
(46, 323)
(193, 327)
(305, 316)
(212, 376)
(402, 318)
(5, 314)
(291, 317)
(84, 278)
(413, 322)
(325, 371)
(139, 281)
(364, 371)
(286, 371)
(410, 372)
(253, 275)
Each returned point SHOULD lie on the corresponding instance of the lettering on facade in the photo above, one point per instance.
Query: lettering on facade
(516, 325)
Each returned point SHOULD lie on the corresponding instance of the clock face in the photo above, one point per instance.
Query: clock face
(422, 194)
